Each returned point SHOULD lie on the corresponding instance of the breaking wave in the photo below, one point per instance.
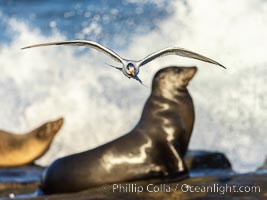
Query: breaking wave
(99, 104)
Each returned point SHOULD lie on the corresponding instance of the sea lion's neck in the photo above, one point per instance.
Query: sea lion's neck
(171, 93)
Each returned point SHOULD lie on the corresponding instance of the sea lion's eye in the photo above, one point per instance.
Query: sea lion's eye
(44, 132)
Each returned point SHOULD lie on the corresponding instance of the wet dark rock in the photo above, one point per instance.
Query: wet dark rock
(199, 160)
(24, 181)
(264, 166)
(177, 189)
(20, 180)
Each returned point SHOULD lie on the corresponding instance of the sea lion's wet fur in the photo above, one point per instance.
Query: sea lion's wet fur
(153, 149)
(170, 95)
(22, 149)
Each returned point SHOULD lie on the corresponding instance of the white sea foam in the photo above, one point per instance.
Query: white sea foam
(100, 104)
(230, 104)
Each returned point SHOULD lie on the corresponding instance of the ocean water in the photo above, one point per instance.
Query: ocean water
(99, 104)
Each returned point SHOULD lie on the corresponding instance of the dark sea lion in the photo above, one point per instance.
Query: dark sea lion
(153, 149)
(22, 149)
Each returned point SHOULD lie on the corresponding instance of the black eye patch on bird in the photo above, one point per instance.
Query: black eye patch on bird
(130, 65)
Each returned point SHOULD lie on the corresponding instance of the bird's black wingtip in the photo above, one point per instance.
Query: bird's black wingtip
(221, 65)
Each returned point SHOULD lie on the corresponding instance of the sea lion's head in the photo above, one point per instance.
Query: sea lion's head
(173, 78)
(43, 137)
(48, 130)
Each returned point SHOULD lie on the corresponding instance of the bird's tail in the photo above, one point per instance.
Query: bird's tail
(140, 81)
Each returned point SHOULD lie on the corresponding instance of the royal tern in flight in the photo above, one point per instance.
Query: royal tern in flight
(130, 68)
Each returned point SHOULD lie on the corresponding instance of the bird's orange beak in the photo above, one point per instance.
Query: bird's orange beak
(131, 72)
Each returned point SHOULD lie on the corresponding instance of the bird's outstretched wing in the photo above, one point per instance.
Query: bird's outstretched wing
(119, 68)
(179, 52)
(92, 44)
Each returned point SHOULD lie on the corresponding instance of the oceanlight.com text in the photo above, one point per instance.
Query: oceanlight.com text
(185, 188)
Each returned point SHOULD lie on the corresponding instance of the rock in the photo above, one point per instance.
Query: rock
(23, 181)
(264, 166)
(19, 180)
(162, 190)
(199, 160)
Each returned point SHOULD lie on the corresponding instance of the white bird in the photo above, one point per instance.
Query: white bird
(130, 68)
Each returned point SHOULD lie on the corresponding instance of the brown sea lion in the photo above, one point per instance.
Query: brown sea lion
(22, 149)
(153, 149)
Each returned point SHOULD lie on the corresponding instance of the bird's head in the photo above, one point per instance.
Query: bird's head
(130, 70)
